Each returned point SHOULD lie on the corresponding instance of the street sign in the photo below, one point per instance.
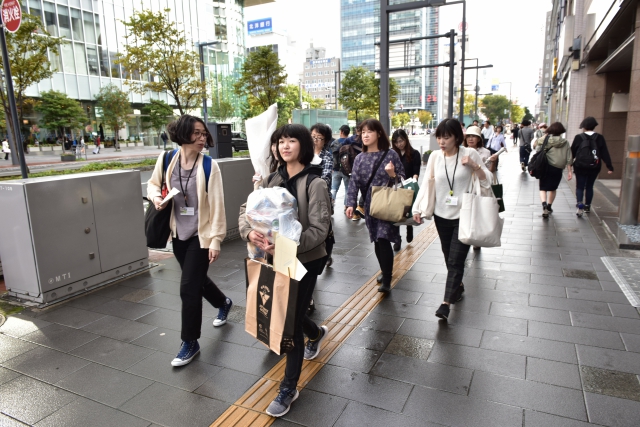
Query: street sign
(11, 15)
(495, 88)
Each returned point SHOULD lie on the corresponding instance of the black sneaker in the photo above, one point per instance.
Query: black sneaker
(457, 297)
(549, 208)
(379, 278)
(443, 311)
(409, 234)
(311, 308)
(385, 287)
(397, 246)
(587, 208)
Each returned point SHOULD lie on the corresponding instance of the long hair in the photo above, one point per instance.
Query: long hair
(408, 149)
(273, 160)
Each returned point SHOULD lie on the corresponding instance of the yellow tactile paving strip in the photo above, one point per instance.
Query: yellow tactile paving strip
(249, 410)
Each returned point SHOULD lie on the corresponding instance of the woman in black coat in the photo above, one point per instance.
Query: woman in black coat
(587, 168)
(410, 158)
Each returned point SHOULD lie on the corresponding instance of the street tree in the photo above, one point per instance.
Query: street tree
(59, 113)
(517, 113)
(360, 92)
(157, 57)
(224, 100)
(156, 115)
(469, 105)
(425, 117)
(115, 108)
(403, 119)
(394, 91)
(496, 107)
(527, 114)
(29, 61)
(290, 100)
(262, 80)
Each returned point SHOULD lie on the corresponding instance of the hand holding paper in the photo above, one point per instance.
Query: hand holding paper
(174, 191)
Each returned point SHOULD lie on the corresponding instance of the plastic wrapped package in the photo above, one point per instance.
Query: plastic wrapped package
(272, 210)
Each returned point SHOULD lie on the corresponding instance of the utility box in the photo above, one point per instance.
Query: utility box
(221, 133)
(63, 235)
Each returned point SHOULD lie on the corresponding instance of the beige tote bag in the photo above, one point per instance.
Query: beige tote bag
(391, 204)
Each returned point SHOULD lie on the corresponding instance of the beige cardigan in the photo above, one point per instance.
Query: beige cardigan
(212, 223)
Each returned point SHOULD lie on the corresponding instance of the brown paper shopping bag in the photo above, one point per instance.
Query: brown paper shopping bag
(271, 306)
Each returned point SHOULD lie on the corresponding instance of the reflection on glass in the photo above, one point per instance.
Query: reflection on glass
(88, 27)
(50, 20)
(54, 59)
(64, 22)
(98, 33)
(81, 64)
(92, 60)
(35, 8)
(67, 58)
(76, 25)
(221, 32)
(115, 68)
(104, 62)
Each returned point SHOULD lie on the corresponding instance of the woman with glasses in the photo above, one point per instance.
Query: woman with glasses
(410, 158)
(198, 226)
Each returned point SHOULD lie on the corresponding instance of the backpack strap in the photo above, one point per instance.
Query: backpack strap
(168, 156)
(271, 175)
(206, 164)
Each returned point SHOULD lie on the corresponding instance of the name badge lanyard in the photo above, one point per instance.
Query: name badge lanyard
(186, 202)
(453, 181)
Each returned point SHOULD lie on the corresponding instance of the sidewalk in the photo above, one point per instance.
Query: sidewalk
(543, 337)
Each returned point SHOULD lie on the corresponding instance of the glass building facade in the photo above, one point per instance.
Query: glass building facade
(95, 34)
(360, 30)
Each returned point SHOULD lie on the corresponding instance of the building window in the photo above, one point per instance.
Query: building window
(50, 20)
(64, 22)
(306, 66)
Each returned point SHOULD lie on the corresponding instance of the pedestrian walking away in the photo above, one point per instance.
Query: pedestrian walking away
(164, 138)
(558, 153)
(588, 150)
(377, 165)
(198, 226)
(453, 169)
(295, 153)
(410, 158)
(5, 149)
(514, 132)
(526, 138)
(339, 176)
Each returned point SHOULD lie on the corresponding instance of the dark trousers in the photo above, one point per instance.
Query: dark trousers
(304, 325)
(524, 156)
(492, 151)
(6, 156)
(455, 253)
(384, 253)
(194, 284)
(586, 182)
(515, 139)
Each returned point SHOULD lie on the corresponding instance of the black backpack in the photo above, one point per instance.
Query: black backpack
(539, 163)
(587, 156)
(347, 156)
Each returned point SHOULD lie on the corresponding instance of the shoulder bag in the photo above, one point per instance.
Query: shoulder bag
(539, 164)
(427, 203)
(157, 224)
(388, 204)
(480, 224)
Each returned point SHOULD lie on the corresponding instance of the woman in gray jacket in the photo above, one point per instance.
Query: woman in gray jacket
(295, 153)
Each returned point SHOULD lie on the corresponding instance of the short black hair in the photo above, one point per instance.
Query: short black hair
(556, 129)
(180, 130)
(487, 121)
(375, 126)
(303, 135)
(589, 123)
(323, 130)
(345, 130)
(450, 127)
(526, 123)
(499, 126)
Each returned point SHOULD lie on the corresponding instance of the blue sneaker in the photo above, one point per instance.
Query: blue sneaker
(188, 350)
(223, 313)
(282, 403)
(312, 348)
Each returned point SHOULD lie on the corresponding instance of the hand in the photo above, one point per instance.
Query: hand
(257, 177)
(213, 255)
(610, 172)
(256, 238)
(493, 158)
(270, 249)
(417, 218)
(157, 203)
(390, 169)
(349, 212)
(570, 176)
(466, 161)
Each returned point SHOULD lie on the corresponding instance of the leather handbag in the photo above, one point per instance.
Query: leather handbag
(391, 204)
(157, 224)
(480, 224)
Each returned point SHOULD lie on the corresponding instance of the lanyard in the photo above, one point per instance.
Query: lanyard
(453, 181)
(186, 202)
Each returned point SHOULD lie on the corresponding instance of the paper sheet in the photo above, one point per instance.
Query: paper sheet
(174, 191)
(259, 130)
(284, 259)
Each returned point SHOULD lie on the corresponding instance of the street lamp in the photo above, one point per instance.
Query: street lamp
(204, 97)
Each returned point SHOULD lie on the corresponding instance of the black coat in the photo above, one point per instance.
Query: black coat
(601, 145)
(412, 167)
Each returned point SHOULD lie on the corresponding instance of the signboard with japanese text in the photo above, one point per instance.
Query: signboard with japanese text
(11, 15)
(260, 26)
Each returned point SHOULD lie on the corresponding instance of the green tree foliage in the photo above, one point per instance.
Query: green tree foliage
(517, 114)
(156, 115)
(290, 100)
(494, 107)
(115, 107)
(156, 48)
(262, 80)
(224, 100)
(360, 92)
(425, 117)
(59, 112)
(469, 104)
(403, 119)
(29, 61)
(527, 114)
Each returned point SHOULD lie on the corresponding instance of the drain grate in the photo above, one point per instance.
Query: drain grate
(626, 272)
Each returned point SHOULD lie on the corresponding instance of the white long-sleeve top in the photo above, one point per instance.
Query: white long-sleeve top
(463, 175)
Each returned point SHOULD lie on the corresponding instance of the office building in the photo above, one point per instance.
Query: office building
(319, 75)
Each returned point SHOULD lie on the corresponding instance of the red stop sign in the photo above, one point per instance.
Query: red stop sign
(11, 15)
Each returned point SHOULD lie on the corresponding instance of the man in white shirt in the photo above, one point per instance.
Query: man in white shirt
(487, 132)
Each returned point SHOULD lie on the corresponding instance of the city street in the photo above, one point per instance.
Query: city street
(544, 337)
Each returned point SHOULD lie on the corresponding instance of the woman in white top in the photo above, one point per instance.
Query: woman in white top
(5, 149)
(473, 139)
(453, 169)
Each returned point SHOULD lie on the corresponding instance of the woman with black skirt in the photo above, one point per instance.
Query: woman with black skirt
(558, 153)
(410, 158)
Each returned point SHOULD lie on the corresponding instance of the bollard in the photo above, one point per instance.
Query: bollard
(630, 194)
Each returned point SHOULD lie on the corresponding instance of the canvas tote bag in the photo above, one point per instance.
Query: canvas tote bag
(391, 204)
(271, 306)
(480, 224)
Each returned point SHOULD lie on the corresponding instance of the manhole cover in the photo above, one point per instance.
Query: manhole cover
(580, 274)
(626, 273)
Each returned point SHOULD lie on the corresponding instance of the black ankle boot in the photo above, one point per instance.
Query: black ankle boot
(409, 234)
(385, 286)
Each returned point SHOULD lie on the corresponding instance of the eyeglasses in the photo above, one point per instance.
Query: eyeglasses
(199, 134)
(317, 138)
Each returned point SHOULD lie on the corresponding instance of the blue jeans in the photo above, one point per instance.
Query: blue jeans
(584, 184)
(336, 179)
(524, 156)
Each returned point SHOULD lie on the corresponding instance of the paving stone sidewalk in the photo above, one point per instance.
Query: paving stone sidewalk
(543, 337)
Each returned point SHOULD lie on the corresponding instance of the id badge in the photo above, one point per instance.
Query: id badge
(451, 201)
(187, 211)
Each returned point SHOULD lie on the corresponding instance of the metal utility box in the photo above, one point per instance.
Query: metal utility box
(237, 185)
(221, 133)
(63, 235)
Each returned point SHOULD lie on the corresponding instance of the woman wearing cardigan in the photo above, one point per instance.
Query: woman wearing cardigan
(411, 162)
(198, 226)
(453, 169)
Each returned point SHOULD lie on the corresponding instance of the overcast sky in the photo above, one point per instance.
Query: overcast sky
(506, 33)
